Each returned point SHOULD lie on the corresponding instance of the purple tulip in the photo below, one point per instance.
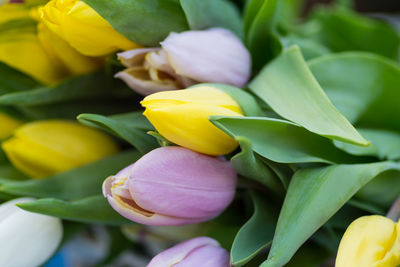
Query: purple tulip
(172, 186)
(200, 251)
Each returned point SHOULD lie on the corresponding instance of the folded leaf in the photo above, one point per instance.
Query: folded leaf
(289, 88)
(94, 209)
(74, 184)
(256, 233)
(212, 13)
(136, 137)
(282, 141)
(314, 195)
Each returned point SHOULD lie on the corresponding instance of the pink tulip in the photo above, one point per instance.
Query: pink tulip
(172, 186)
(200, 251)
(210, 56)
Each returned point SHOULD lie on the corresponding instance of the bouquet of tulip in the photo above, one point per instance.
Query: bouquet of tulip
(198, 133)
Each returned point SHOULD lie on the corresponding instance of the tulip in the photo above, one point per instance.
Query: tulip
(54, 58)
(172, 186)
(83, 28)
(8, 125)
(43, 148)
(372, 241)
(28, 239)
(214, 55)
(200, 251)
(181, 116)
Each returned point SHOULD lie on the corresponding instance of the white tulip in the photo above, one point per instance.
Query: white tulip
(211, 56)
(27, 239)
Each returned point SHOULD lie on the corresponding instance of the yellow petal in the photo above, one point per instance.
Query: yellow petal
(22, 50)
(370, 241)
(83, 28)
(8, 125)
(187, 125)
(203, 95)
(44, 148)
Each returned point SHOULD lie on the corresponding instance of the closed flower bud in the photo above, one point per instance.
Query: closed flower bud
(200, 251)
(8, 125)
(172, 186)
(83, 28)
(181, 116)
(214, 55)
(29, 239)
(44, 148)
(372, 241)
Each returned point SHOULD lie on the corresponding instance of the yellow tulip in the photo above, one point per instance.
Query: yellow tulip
(370, 241)
(181, 116)
(8, 125)
(44, 148)
(83, 28)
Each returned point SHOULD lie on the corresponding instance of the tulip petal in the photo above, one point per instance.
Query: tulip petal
(214, 55)
(182, 183)
(183, 124)
(176, 254)
(130, 210)
(30, 238)
(134, 57)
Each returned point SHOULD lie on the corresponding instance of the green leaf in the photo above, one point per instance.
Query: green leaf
(289, 88)
(246, 101)
(212, 13)
(256, 233)
(249, 164)
(74, 184)
(82, 87)
(134, 119)
(369, 102)
(94, 209)
(384, 144)
(314, 195)
(345, 30)
(12, 80)
(282, 141)
(260, 36)
(146, 22)
(136, 137)
(309, 48)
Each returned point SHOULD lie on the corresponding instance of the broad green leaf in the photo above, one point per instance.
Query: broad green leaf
(250, 165)
(212, 13)
(314, 195)
(146, 22)
(289, 88)
(134, 119)
(246, 101)
(260, 36)
(364, 87)
(384, 144)
(256, 233)
(83, 87)
(9, 172)
(12, 80)
(309, 48)
(136, 137)
(94, 209)
(74, 184)
(345, 30)
(282, 141)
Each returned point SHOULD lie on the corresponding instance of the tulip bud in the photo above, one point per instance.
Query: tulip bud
(370, 241)
(181, 116)
(29, 239)
(214, 55)
(83, 28)
(44, 148)
(200, 251)
(8, 125)
(172, 186)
